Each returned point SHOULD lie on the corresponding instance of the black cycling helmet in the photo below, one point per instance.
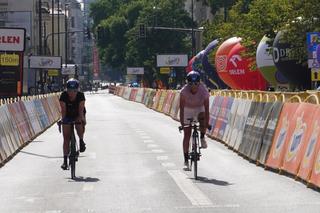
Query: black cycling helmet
(193, 77)
(72, 84)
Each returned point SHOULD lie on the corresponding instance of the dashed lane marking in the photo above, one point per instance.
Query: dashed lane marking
(145, 137)
(169, 164)
(152, 145)
(193, 193)
(157, 151)
(148, 141)
(162, 157)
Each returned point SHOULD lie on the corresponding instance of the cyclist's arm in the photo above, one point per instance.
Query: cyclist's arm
(81, 110)
(182, 103)
(206, 112)
(63, 109)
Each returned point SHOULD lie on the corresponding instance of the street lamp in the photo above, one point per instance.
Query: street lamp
(192, 30)
(66, 33)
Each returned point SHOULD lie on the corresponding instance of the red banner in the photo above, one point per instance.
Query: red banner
(96, 63)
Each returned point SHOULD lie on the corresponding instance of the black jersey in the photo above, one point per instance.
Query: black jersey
(72, 106)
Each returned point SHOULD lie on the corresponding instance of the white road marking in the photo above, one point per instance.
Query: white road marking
(157, 151)
(169, 164)
(145, 137)
(162, 157)
(142, 133)
(87, 187)
(196, 197)
(92, 155)
(53, 211)
(210, 206)
(148, 141)
(153, 145)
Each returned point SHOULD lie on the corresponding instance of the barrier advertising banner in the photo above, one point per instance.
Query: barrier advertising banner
(33, 116)
(298, 141)
(156, 99)
(20, 120)
(313, 144)
(242, 122)
(231, 121)
(247, 138)
(315, 175)
(175, 106)
(220, 117)
(214, 112)
(270, 131)
(283, 133)
(259, 128)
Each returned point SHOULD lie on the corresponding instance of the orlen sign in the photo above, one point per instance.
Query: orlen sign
(12, 39)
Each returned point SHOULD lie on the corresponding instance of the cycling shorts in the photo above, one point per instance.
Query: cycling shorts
(192, 113)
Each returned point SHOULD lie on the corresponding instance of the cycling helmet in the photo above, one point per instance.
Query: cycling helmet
(72, 84)
(193, 77)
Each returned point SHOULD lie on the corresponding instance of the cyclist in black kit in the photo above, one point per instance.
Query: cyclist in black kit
(72, 103)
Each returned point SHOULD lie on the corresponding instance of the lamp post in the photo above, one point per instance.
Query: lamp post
(52, 20)
(192, 30)
(58, 2)
(66, 33)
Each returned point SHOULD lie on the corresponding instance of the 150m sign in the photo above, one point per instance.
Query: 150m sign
(9, 60)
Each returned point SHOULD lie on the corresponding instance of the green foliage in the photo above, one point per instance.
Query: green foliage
(117, 32)
(251, 20)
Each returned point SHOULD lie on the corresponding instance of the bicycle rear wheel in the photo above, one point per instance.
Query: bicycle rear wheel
(72, 157)
(195, 156)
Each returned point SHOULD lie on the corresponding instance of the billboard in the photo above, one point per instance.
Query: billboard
(10, 75)
(135, 70)
(12, 39)
(172, 60)
(70, 69)
(45, 62)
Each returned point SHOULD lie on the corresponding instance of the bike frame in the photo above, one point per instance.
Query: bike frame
(73, 151)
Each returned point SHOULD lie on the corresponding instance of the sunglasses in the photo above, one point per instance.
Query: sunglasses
(194, 83)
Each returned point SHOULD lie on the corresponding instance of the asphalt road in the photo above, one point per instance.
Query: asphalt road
(134, 163)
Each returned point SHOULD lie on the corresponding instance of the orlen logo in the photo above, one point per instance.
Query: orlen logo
(234, 60)
(221, 63)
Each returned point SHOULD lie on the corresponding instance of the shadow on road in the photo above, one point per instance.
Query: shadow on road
(213, 181)
(38, 155)
(85, 179)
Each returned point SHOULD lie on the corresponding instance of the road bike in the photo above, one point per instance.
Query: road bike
(195, 153)
(73, 147)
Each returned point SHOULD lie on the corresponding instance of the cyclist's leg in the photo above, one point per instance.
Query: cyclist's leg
(202, 129)
(80, 131)
(66, 141)
(186, 141)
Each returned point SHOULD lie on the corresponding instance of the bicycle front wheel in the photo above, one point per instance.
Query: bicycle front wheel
(73, 168)
(72, 158)
(195, 167)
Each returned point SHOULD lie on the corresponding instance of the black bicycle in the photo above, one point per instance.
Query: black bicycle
(195, 153)
(73, 148)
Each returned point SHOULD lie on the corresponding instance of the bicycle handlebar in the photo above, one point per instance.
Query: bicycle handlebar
(192, 125)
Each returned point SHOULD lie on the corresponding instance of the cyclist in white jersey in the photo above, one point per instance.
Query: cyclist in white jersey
(194, 103)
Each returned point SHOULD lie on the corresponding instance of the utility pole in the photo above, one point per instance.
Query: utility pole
(40, 42)
(58, 1)
(66, 34)
(40, 27)
(52, 20)
(192, 30)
